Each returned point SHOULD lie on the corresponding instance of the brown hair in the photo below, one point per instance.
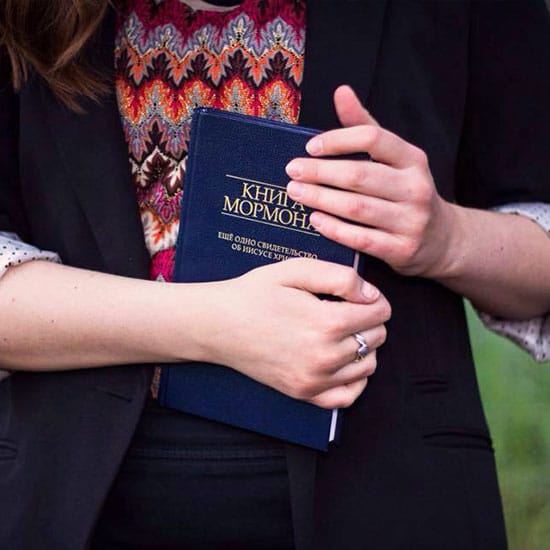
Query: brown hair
(48, 36)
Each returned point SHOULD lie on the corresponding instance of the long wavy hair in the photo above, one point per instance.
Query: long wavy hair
(47, 37)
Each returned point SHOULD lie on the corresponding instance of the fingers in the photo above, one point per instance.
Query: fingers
(350, 372)
(340, 320)
(340, 396)
(320, 349)
(356, 207)
(382, 145)
(347, 384)
(365, 177)
(374, 337)
(375, 242)
(341, 388)
(350, 369)
(355, 371)
(319, 277)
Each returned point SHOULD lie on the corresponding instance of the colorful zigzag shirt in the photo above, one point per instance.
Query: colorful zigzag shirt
(169, 59)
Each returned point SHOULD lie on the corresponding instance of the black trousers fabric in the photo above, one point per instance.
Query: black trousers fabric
(188, 483)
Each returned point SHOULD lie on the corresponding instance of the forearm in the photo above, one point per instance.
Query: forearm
(500, 262)
(56, 317)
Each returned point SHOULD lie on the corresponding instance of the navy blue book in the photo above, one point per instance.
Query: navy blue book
(236, 216)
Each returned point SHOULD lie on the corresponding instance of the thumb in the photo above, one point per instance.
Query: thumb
(320, 277)
(349, 108)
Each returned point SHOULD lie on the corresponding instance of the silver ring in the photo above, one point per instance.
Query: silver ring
(363, 348)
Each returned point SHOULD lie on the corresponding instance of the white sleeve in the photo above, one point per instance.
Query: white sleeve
(13, 251)
(533, 335)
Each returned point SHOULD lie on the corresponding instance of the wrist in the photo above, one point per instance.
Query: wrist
(453, 252)
(194, 325)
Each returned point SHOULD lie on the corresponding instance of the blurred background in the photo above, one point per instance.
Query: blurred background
(516, 397)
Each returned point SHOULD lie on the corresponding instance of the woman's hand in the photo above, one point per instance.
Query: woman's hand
(388, 207)
(270, 325)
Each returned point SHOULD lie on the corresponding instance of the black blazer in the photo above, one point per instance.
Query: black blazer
(466, 82)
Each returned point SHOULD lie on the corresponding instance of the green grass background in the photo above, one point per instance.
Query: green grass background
(516, 397)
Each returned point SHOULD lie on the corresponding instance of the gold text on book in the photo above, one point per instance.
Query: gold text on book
(267, 203)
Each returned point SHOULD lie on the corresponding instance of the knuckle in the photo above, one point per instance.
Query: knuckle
(418, 224)
(297, 393)
(302, 389)
(313, 169)
(358, 206)
(383, 336)
(385, 311)
(409, 189)
(299, 385)
(356, 176)
(323, 360)
(423, 193)
(323, 402)
(290, 389)
(349, 396)
(347, 279)
(338, 402)
(371, 364)
(408, 248)
(331, 327)
(330, 359)
(420, 158)
(369, 136)
(361, 241)
(312, 194)
(350, 393)
(339, 397)
(379, 336)
(335, 231)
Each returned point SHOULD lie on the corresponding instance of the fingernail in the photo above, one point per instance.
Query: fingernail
(368, 291)
(316, 220)
(295, 189)
(294, 169)
(314, 146)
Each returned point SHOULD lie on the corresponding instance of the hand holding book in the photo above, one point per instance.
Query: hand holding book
(284, 336)
(278, 330)
(389, 209)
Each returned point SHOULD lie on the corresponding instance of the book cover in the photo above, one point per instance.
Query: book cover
(236, 216)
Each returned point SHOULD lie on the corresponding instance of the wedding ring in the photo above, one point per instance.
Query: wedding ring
(363, 348)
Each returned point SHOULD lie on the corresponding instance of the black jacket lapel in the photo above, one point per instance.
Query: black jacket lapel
(328, 65)
(332, 35)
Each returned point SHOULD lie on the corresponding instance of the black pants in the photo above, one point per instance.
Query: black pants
(189, 483)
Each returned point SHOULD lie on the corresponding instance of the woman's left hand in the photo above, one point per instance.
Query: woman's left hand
(387, 207)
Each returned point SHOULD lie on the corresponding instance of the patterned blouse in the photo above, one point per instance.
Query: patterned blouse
(169, 59)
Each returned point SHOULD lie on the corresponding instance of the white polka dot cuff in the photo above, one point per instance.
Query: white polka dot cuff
(14, 252)
(533, 335)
